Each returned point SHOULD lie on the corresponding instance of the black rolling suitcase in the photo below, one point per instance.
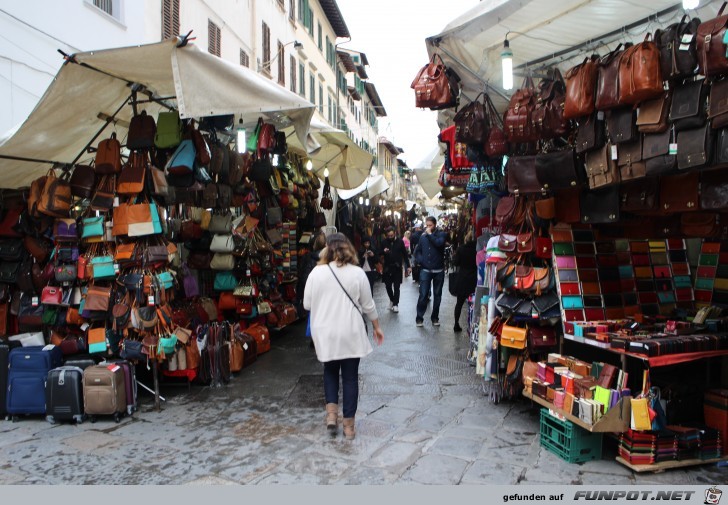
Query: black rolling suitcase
(64, 395)
(4, 352)
(82, 361)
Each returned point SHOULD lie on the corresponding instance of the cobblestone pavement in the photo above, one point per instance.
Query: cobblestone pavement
(422, 418)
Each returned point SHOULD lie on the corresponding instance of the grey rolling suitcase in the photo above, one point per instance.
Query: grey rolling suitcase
(64, 395)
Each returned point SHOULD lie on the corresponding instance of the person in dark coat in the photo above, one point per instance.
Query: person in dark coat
(467, 277)
(394, 257)
(368, 260)
(414, 240)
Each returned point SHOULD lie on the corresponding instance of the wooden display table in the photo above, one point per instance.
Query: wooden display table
(616, 420)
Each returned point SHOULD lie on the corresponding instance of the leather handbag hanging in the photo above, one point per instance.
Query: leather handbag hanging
(131, 179)
(496, 144)
(521, 174)
(142, 129)
(607, 95)
(581, 84)
(688, 109)
(56, 198)
(103, 198)
(470, 123)
(629, 160)
(639, 73)
(589, 133)
(694, 147)
(513, 337)
(677, 44)
(600, 206)
(718, 110)
(83, 181)
(567, 206)
(654, 114)
(432, 86)
(700, 224)
(656, 153)
(621, 124)
(639, 196)
(541, 338)
(710, 47)
(108, 156)
(601, 169)
(556, 170)
(714, 189)
(679, 193)
(518, 118)
(548, 116)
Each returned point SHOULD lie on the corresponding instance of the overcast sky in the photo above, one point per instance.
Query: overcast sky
(392, 34)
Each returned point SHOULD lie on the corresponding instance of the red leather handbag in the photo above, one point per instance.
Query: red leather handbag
(51, 295)
(544, 248)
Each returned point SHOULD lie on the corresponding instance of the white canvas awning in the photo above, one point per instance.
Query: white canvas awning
(329, 148)
(373, 185)
(95, 84)
(545, 33)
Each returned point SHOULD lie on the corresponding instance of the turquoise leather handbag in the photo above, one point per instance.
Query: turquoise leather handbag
(103, 267)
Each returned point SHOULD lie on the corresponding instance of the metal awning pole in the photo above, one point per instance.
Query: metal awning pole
(108, 120)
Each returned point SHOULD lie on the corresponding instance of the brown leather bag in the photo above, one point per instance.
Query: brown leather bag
(432, 86)
(83, 181)
(590, 133)
(548, 117)
(621, 124)
(607, 95)
(710, 47)
(700, 224)
(601, 169)
(518, 118)
(581, 84)
(521, 174)
(694, 147)
(131, 180)
(639, 196)
(470, 123)
(108, 156)
(718, 111)
(639, 73)
(688, 105)
(567, 206)
(546, 208)
(679, 193)
(496, 144)
(654, 114)
(629, 160)
(236, 355)
(55, 200)
(34, 195)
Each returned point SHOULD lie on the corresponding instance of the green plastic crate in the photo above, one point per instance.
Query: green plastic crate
(568, 441)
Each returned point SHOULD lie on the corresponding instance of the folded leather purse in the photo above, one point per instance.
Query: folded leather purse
(629, 160)
(621, 125)
(525, 278)
(222, 261)
(521, 175)
(601, 169)
(507, 243)
(656, 153)
(718, 113)
(103, 267)
(505, 274)
(51, 295)
(590, 133)
(546, 208)
(688, 105)
(556, 170)
(639, 195)
(508, 302)
(545, 302)
(524, 243)
(714, 189)
(11, 250)
(679, 193)
(544, 248)
(694, 147)
(541, 337)
(97, 298)
(700, 224)
(654, 114)
(600, 206)
(222, 244)
(513, 337)
(92, 227)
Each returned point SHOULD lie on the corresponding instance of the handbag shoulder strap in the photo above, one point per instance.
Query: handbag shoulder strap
(344, 289)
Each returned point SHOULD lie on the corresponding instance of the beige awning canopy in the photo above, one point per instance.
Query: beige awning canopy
(96, 85)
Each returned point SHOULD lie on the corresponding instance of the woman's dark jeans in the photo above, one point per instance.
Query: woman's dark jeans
(349, 378)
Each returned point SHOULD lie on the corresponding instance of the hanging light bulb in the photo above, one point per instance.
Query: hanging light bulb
(309, 165)
(366, 202)
(326, 172)
(361, 200)
(690, 4)
(241, 137)
(507, 63)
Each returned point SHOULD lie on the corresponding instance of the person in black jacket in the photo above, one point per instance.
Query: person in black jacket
(466, 278)
(395, 256)
(430, 255)
(368, 260)
(414, 240)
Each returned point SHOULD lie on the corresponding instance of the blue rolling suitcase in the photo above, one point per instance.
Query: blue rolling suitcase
(28, 369)
(64, 395)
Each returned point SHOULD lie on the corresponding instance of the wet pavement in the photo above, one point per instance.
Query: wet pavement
(423, 418)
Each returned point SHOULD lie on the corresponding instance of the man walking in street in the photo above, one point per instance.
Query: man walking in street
(395, 256)
(430, 256)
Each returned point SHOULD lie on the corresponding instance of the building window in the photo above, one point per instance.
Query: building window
(244, 59)
(321, 99)
(292, 10)
(106, 6)
(213, 38)
(312, 88)
(293, 84)
(302, 82)
(170, 19)
(266, 49)
(330, 110)
(320, 38)
(281, 64)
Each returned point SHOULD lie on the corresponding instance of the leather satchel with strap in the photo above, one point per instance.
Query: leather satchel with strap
(581, 83)
(710, 47)
(433, 87)
(640, 77)
(518, 118)
(548, 117)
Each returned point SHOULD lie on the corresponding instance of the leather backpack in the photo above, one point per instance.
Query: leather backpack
(108, 156)
(169, 130)
(518, 118)
(640, 77)
(678, 58)
(548, 117)
(581, 83)
(471, 126)
(432, 86)
(142, 129)
(710, 47)
(83, 181)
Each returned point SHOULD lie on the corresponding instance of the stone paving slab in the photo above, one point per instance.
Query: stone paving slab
(395, 457)
(456, 447)
(436, 469)
(491, 471)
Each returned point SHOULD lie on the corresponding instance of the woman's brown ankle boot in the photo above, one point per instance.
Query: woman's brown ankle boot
(332, 415)
(349, 430)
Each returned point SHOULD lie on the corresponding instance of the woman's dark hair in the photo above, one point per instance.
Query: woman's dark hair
(431, 219)
(339, 249)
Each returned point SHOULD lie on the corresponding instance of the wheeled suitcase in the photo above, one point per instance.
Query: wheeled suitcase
(81, 361)
(28, 369)
(130, 383)
(104, 392)
(4, 351)
(64, 395)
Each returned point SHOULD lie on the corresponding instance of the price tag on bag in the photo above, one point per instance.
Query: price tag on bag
(150, 300)
(614, 152)
(673, 148)
(245, 346)
(687, 38)
(34, 301)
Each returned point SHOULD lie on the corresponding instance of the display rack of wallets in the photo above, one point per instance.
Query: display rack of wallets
(711, 280)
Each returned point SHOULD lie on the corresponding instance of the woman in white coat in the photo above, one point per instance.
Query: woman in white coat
(337, 294)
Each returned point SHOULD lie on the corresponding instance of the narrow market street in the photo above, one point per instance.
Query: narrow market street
(422, 418)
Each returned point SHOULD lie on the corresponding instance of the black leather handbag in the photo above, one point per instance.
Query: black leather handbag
(688, 108)
(694, 147)
(677, 46)
(590, 133)
(556, 170)
(656, 153)
(621, 125)
(600, 206)
(640, 195)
